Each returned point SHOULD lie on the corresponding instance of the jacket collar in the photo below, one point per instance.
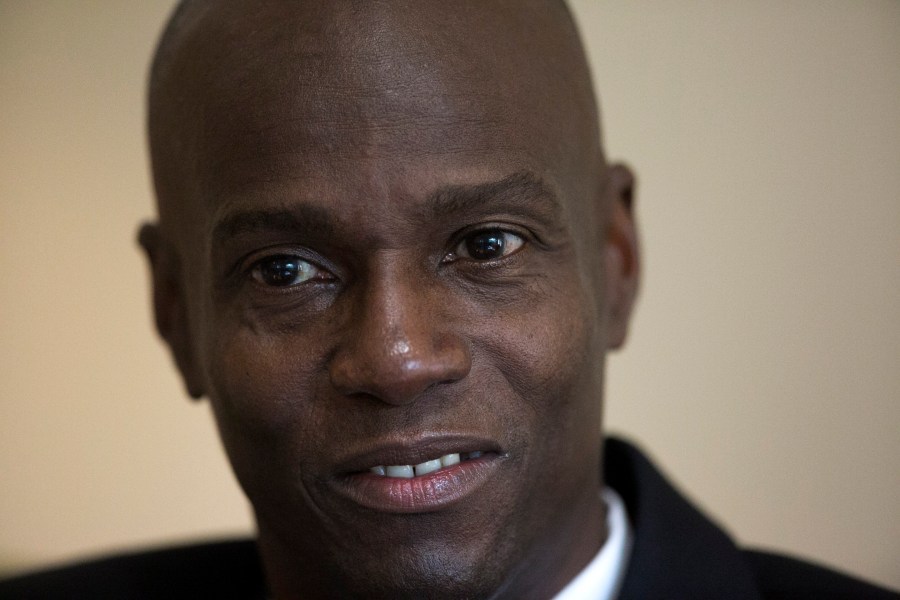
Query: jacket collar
(677, 551)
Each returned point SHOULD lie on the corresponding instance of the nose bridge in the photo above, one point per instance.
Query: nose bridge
(397, 343)
(393, 313)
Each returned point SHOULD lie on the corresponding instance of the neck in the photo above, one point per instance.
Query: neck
(573, 543)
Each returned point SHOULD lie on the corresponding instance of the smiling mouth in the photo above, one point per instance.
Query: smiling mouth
(435, 475)
(424, 468)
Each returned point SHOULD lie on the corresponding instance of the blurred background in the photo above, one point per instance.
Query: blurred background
(762, 370)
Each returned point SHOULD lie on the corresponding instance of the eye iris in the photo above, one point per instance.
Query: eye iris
(281, 271)
(487, 245)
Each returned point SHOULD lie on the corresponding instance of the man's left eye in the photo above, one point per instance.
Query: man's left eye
(488, 245)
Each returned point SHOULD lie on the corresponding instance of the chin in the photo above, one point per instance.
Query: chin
(419, 559)
(433, 575)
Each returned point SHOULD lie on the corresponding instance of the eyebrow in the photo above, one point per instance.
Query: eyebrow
(522, 190)
(302, 218)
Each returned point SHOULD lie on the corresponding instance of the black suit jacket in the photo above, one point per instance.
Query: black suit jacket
(678, 554)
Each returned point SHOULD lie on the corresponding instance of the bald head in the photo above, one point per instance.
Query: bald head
(420, 76)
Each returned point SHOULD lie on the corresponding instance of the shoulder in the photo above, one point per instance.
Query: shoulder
(781, 576)
(679, 552)
(225, 569)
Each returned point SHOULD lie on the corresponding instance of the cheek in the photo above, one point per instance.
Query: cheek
(551, 343)
(263, 401)
(549, 347)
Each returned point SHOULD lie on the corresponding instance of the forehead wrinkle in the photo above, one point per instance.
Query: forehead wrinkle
(404, 111)
(282, 137)
(291, 151)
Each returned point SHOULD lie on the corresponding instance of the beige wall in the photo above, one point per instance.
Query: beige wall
(762, 370)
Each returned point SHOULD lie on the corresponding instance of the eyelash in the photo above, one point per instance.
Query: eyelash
(254, 265)
(461, 238)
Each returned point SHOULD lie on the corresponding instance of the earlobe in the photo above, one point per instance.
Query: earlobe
(170, 305)
(621, 254)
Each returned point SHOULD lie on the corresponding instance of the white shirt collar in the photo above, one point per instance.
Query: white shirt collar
(602, 578)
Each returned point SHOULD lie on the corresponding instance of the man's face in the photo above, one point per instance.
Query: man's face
(396, 289)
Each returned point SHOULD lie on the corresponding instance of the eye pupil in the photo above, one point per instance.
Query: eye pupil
(486, 245)
(280, 271)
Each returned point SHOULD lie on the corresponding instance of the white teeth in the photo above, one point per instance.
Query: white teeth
(403, 471)
(429, 466)
(449, 460)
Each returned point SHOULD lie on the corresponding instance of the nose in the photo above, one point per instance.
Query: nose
(397, 345)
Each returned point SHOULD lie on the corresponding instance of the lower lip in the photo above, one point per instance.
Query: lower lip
(427, 493)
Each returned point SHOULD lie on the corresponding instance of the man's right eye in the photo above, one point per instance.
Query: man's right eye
(285, 270)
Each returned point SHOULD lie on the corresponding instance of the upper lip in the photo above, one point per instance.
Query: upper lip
(411, 450)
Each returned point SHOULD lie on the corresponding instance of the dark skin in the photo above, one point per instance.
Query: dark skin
(385, 225)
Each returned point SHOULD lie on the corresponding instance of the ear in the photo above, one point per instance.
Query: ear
(170, 304)
(621, 253)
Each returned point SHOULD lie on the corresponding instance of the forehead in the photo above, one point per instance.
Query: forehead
(378, 99)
